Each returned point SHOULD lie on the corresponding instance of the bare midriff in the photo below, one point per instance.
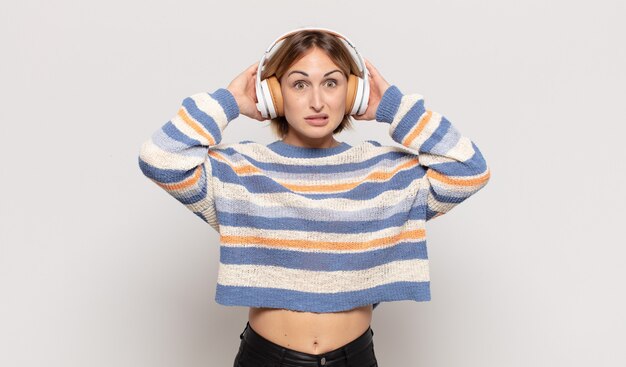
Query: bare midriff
(310, 332)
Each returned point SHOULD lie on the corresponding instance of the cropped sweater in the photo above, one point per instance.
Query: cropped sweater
(316, 229)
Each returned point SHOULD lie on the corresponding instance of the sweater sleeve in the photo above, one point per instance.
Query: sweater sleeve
(176, 156)
(455, 167)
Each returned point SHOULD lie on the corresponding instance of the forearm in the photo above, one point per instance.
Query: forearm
(456, 168)
(176, 156)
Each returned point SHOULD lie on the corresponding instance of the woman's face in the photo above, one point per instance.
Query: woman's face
(313, 85)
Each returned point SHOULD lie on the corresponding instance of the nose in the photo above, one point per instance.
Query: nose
(317, 100)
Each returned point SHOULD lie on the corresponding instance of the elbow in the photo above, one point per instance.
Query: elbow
(143, 158)
(479, 166)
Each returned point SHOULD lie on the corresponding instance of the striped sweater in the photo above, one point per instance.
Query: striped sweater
(316, 229)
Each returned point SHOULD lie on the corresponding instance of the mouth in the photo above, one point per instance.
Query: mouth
(317, 120)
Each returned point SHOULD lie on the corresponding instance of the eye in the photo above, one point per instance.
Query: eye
(296, 84)
(333, 82)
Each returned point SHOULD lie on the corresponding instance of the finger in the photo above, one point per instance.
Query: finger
(253, 68)
(371, 67)
(368, 64)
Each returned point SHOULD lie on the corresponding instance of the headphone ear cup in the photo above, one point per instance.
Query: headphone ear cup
(351, 95)
(276, 95)
(361, 96)
(265, 104)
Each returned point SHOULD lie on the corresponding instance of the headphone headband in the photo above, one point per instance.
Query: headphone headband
(285, 35)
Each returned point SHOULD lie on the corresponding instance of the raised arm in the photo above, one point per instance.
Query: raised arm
(176, 157)
(456, 169)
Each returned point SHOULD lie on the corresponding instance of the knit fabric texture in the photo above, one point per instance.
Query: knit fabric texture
(316, 229)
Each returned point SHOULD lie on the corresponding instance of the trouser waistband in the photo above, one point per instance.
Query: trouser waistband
(345, 352)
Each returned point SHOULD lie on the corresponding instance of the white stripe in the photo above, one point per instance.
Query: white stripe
(462, 151)
(427, 131)
(406, 103)
(357, 153)
(300, 203)
(351, 177)
(415, 270)
(211, 107)
(159, 158)
(325, 237)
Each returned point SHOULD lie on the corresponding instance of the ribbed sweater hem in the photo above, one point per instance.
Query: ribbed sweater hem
(321, 302)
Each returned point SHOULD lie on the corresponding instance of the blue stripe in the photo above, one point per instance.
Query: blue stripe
(389, 104)
(446, 198)
(232, 155)
(202, 117)
(323, 261)
(477, 163)
(409, 120)
(436, 136)
(196, 193)
(471, 167)
(447, 142)
(172, 131)
(163, 175)
(199, 192)
(227, 101)
(320, 302)
(241, 205)
(167, 144)
(367, 190)
(299, 224)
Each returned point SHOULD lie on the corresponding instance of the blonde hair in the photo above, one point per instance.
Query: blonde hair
(292, 48)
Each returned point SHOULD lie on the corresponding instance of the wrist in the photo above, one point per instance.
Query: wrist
(389, 104)
(233, 94)
(228, 102)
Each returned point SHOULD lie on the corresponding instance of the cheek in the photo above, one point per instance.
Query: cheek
(339, 106)
(294, 103)
(342, 95)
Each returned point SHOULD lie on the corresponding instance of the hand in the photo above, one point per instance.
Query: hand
(378, 86)
(243, 88)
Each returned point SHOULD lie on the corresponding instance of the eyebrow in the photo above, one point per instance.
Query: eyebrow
(305, 74)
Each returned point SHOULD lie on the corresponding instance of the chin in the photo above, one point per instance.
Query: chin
(315, 135)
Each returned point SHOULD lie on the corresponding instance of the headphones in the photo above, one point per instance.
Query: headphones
(269, 96)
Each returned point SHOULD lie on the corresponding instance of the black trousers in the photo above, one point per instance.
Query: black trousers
(256, 351)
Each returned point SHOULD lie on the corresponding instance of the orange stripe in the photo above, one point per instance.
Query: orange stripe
(459, 181)
(240, 170)
(195, 125)
(383, 176)
(375, 176)
(215, 154)
(423, 121)
(191, 181)
(417, 234)
(246, 170)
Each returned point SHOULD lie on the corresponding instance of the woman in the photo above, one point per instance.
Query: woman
(314, 232)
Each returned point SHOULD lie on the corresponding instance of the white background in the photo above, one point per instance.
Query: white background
(100, 267)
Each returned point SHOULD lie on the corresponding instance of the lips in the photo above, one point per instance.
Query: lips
(319, 115)
(319, 121)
